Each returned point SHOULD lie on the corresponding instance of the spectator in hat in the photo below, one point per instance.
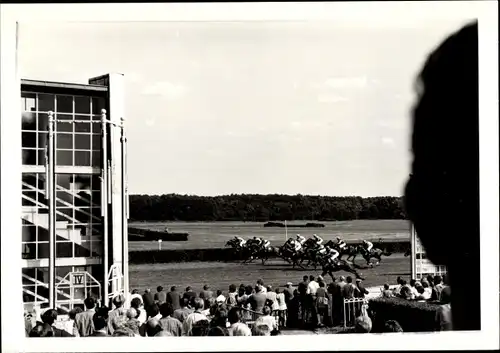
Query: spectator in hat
(361, 291)
(288, 292)
(174, 298)
(160, 295)
(117, 316)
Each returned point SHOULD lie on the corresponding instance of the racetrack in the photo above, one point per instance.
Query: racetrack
(220, 275)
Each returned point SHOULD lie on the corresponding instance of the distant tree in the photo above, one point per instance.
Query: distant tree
(263, 208)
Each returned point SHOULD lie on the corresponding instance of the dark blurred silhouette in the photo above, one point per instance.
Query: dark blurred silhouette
(442, 193)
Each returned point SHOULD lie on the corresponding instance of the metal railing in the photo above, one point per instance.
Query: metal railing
(353, 308)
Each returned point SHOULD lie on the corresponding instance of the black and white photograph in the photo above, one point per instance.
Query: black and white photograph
(331, 169)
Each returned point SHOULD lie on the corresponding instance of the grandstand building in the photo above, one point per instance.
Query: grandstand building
(74, 199)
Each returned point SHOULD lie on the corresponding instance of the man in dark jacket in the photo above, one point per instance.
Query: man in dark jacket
(147, 298)
(206, 293)
(160, 295)
(174, 298)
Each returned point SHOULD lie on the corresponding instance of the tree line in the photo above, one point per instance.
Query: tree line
(263, 208)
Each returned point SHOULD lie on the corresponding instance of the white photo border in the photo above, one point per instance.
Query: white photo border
(354, 13)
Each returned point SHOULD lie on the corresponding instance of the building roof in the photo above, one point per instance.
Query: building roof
(63, 85)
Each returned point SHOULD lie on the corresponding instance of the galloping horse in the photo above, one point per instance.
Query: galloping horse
(290, 255)
(375, 253)
(235, 244)
(341, 265)
(349, 250)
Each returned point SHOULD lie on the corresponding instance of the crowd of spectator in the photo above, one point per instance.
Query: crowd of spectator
(241, 311)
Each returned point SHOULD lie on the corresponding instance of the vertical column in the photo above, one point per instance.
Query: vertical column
(125, 211)
(116, 114)
(50, 195)
(104, 202)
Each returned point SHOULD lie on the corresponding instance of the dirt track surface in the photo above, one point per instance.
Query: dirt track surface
(220, 275)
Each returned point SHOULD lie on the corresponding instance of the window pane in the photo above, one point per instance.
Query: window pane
(42, 139)
(28, 101)
(43, 250)
(29, 233)
(82, 142)
(64, 249)
(82, 127)
(41, 153)
(29, 157)
(82, 158)
(97, 105)
(82, 105)
(64, 141)
(28, 139)
(96, 142)
(42, 121)
(46, 102)
(63, 126)
(64, 158)
(28, 121)
(43, 234)
(65, 104)
(97, 128)
(96, 159)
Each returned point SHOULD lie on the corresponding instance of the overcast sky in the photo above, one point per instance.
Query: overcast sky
(251, 107)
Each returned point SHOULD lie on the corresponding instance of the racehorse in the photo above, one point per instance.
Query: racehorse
(262, 254)
(289, 255)
(341, 265)
(349, 250)
(375, 253)
(243, 252)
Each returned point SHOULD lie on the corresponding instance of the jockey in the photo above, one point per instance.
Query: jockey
(297, 245)
(266, 244)
(322, 249)
(318, 240)
(368, 246)
(241, 241)
(301, 239)
(332, 256)
(341, 244)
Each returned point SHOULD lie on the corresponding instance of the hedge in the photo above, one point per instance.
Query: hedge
(413, 316)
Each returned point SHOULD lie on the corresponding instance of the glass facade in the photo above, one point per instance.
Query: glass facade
(79, 233)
